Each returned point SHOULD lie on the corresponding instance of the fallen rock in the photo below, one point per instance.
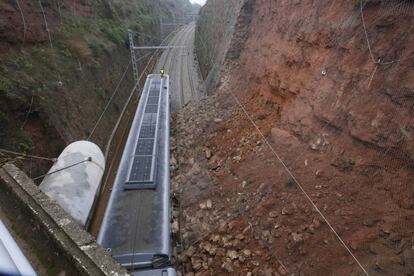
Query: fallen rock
(268, 271)
(209, 204)
(261, 188)
(273, 214)
(387, 262)
(196, 169)
(236, 158)
(282, 271)
(242, 259)
(208, 153)
(212, 251)
(196, 263)
(227, 267)
(240, 237)
(247, 252)
(232, 254)
(377, 248)
(190, 251)
(174, 227)
(408, 256)
(215, 238)
(354, 245)
(285, 211)
(297, 237)
(395, 237)
(206, 246)
(221, 252)
(173, 161)
(316, 223)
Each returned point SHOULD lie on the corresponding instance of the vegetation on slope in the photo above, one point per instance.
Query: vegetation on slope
(52, 91)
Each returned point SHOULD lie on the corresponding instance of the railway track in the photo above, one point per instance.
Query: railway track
(190, 65)
(178, 64)
(183, 91)
(118, 145)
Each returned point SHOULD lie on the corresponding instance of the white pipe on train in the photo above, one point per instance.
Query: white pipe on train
(12, 260)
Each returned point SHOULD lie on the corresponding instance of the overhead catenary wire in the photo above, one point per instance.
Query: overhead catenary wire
(143, 73)
(374, 60)
(366, 33)
(46, 24)
(50, 38)
(108, 103)
(27, 155)
(23, 21)
(133, 91)
(28, 113)
(144, 56)
(108, 144)
(59, 10)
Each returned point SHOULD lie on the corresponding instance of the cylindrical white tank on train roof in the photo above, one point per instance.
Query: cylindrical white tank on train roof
(74, 179)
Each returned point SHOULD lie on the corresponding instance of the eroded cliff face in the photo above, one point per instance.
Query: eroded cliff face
(338, 116)
(214, 31)
(316, 63)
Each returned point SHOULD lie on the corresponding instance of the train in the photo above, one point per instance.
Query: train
(136, 224)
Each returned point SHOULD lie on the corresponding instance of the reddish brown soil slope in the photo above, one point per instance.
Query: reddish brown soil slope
(22, 21)
(341, 123)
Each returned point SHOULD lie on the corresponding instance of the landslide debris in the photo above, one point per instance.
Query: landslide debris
(339, 121)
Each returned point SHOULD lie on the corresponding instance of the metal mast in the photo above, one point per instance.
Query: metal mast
(133, 57)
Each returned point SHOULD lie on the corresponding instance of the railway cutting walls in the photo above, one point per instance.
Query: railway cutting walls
(330, 86)
(60, 63)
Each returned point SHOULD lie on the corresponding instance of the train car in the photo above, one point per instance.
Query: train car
(136, 224)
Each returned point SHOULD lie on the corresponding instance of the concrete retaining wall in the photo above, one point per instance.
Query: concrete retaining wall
(57, 240)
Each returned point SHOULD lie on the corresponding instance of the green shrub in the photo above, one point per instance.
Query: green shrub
(357, 4)
(113, 34)
(290, 183)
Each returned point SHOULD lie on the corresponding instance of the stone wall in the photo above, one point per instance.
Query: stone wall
(61, 245)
